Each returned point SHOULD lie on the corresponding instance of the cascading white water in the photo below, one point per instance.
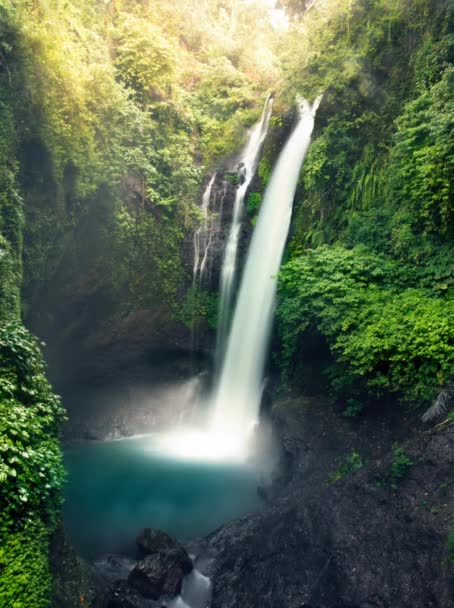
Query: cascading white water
(195, 592)
(249, 162)
(237, 397)
(202, 236)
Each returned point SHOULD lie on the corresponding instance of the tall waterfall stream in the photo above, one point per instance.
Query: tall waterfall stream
(237, 397)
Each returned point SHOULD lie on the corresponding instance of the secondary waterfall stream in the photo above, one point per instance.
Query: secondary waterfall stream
(247, 168)
(202, 237)
(237, 396)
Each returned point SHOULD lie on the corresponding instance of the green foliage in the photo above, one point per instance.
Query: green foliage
(421, 164)
(401, 463)
(391, 336)
(130, 117)
(352, 463)
(145, 58)
(264, 170)
(25, 580)
(9, 286)
(377, 171)
(253, 202)
(137, 260)
(11, 214)
(31, 471)
(232, 178)
(375, 187)
(353, 408)
(200, 308)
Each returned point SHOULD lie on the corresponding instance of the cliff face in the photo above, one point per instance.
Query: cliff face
(374, 539)
(84, 317)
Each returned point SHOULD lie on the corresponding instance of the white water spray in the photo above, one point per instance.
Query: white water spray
(248, 166)
(237, 397)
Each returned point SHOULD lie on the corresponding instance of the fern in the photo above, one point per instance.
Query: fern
(441, 405)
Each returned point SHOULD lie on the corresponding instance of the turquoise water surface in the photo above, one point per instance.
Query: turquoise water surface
(115, 488)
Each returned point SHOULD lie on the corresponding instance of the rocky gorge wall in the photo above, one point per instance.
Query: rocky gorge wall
(374, 535)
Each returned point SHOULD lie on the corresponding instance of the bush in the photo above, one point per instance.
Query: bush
(25, 580)
(353, 462)
(393, 337)
(31, 471)
(401, 463)
(254, 201)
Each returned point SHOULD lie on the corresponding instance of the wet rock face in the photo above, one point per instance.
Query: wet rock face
(366, 541)
(215, 234)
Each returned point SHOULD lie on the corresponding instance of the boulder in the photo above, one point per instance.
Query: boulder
(163, 565)
(151, 542)
(157, 575)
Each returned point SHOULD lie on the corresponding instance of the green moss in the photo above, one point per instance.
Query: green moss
(352, 463)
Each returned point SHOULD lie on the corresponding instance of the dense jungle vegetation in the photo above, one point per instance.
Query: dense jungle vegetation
(112, 115)
(370, 263)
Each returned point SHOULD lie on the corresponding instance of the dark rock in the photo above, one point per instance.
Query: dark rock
(127, 583)
(157, 575)
(151, 542)
(112, 568)
(164, 564)
(120, 596)
(348, 544)
(72, 576)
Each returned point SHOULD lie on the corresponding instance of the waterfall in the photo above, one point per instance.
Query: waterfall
(202, 236)
(202, 242)
(237, 396)
(246, 171)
